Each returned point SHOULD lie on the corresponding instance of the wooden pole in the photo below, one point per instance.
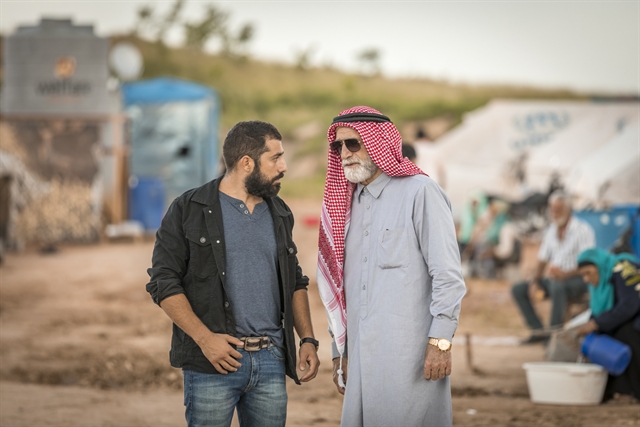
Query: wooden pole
(469, 353)
(118, 199)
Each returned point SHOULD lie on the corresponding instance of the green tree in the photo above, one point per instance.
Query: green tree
(155, 27)
(236, 45)
(213, 24)
(370, 60)
(169, 20)
(144, 22)
(303, 58)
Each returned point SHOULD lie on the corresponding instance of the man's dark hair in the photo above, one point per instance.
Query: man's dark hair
(247, 139)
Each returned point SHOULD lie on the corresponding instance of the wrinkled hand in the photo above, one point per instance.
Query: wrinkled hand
(217, 348)
(336, 366)
(437, 364)
(309, 356)
(587, 328)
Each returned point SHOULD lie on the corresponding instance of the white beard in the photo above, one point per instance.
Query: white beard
(356, 174)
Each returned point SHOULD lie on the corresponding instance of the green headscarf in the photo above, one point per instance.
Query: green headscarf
(470, 215)
(602, 295)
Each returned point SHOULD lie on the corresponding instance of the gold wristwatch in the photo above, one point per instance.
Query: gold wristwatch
(441, 343)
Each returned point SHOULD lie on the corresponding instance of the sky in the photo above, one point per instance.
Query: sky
(581, 45)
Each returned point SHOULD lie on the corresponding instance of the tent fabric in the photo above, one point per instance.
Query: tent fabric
(511, 148)
(610, 174)
(162, 90)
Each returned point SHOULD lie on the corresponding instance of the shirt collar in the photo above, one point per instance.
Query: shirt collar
(571, 226)
(375, 187)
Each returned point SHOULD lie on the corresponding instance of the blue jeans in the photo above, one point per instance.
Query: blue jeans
(258, 390)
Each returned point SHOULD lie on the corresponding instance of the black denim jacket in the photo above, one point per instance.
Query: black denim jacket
(189, 258)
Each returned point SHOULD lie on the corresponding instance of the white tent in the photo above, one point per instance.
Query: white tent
(611, 174)
(513, 147)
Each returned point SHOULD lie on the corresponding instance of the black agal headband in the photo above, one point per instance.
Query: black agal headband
(361, 117)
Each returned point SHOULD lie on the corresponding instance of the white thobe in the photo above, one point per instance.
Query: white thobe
(403, 284)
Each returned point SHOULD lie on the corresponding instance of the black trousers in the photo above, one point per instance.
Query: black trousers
(629, 381)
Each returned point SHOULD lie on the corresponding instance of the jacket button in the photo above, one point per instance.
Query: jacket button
(223, 273)
(209, 211)
(290, 250)
(217, 241)
(226, 304)
(202, 240)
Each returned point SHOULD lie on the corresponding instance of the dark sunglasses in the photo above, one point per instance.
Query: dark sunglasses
(352, 145)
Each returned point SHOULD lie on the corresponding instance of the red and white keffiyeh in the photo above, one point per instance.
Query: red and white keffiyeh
(384, 145)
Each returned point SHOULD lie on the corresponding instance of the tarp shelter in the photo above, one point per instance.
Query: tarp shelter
(513, 147)
(174, 142)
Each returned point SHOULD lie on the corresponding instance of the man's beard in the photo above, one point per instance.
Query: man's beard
(356, 174)
(260, 186)
(561, 222)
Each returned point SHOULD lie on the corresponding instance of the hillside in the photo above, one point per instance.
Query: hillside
(300, 102)
(290, 96)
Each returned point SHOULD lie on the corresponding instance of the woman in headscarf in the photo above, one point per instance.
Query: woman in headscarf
(615, 309)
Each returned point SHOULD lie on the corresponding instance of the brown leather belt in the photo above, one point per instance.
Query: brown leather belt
(255, 343)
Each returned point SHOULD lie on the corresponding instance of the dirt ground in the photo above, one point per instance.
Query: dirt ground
(81, 344)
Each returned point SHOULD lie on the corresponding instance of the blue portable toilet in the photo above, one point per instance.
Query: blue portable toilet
(174, 143)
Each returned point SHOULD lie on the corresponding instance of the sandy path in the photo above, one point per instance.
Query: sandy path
(81, 344)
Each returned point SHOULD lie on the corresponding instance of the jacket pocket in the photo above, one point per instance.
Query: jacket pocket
(201, 260)
(392, 250)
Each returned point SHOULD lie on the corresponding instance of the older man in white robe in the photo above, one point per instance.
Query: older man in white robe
(389, 275)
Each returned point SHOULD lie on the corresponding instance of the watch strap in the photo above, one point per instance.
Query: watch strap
(310, 340)
(436, 343)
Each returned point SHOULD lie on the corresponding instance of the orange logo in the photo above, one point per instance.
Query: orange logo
(65, 67)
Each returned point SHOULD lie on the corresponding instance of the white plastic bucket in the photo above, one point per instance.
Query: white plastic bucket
(560, 383)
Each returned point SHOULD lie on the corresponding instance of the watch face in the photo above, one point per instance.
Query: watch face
(444, 345)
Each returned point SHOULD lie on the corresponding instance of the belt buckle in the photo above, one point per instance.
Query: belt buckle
(253, 343)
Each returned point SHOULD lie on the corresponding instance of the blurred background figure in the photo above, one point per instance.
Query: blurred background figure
(557, 276)
(474, 207)
(493, 241)
(428, 157)
(409, 152)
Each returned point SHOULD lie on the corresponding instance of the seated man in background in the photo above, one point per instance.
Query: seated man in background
(565, 238)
